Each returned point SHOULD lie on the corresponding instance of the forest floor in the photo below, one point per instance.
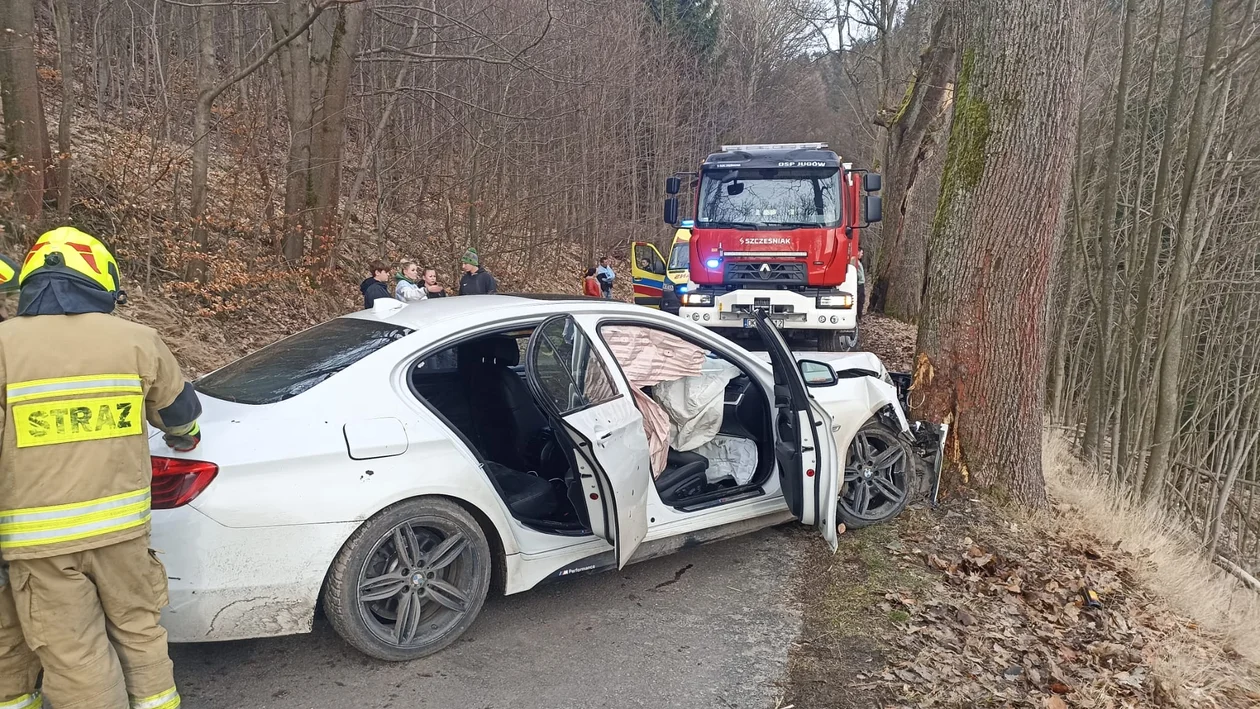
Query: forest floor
(974, 604)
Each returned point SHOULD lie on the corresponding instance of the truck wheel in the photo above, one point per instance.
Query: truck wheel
(837, 341)
(879, 475)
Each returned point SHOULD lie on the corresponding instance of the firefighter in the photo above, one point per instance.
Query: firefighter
(78, 385)
(19, 667)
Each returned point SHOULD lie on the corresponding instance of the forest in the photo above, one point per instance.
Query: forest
(1070, 189)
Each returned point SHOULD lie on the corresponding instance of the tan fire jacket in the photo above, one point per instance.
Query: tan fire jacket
(75, 393)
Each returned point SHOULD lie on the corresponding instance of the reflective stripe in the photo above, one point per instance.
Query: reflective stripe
(26, 701)
(94, 384)
(166, 700)
(63, 523)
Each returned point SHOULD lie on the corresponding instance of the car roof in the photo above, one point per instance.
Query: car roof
(432, 311)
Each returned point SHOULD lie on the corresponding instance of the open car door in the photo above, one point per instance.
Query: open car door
(647, 271)
(570, 381)
(803, 447)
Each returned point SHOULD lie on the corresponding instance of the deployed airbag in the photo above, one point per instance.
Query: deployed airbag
(729, 457)
(695, 404)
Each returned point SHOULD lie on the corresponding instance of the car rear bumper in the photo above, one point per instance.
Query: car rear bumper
(235, 583)
(787, 309)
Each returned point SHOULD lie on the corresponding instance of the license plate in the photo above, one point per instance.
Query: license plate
(752, 322)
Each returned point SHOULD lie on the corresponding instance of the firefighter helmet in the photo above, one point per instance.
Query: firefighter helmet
(70, 252)
(8, 275)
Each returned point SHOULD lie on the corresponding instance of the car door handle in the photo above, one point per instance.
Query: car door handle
(601, 433)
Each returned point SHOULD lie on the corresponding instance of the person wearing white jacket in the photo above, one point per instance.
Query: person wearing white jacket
(405, 284)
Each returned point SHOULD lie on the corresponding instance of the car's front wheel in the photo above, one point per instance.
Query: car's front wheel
(410, 580)
(878, 476)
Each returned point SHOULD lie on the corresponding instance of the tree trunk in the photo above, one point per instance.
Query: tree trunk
(1108, 222)
(24, 127)
(65, 46)
(295, 71)
(898, 278)
(196, 269)
(1167, 396)
(982, 339)
(326, 149)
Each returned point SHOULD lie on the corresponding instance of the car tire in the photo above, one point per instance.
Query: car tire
(870, 477)
(437, 592)
(837, 341)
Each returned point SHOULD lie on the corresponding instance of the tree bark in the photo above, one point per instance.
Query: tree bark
(982, 340)
(898, 280)
(295, 71)
(24, 127)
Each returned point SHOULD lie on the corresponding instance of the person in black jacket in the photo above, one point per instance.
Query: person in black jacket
(476, 280)
(375, 286)
(431, 288)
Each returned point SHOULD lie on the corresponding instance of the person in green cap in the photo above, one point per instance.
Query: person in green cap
(476, 280)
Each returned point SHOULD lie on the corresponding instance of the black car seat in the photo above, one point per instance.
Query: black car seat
(528, 496)
(510, 426)
(683, 476)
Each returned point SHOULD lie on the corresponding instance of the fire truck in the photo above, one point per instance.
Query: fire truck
(776, 228)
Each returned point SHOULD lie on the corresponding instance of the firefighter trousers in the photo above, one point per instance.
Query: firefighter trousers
(19, 667)
(92, 618)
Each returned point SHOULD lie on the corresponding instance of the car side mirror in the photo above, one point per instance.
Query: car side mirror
(871, 182)
(671, 211)
(672, 185)
(817, 374)
(874, 208)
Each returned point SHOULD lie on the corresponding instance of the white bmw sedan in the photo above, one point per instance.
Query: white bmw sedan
(393, 465)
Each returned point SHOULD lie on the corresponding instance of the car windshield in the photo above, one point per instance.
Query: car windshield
(679, 256)
(770, 198)
(293, 365)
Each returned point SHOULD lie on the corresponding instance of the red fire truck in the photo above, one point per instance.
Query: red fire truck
(777, 229)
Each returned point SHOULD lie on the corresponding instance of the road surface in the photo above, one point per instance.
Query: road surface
(707, 627)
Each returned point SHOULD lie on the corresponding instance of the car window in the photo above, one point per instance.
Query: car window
(648, 260)
(295, 364)
(680, 256)
(570, 374)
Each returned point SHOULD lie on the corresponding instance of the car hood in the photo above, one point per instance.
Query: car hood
(840, 360)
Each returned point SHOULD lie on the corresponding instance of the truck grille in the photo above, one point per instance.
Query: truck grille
(774, 274)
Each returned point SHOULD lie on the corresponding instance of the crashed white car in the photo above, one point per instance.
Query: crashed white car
(393, 465)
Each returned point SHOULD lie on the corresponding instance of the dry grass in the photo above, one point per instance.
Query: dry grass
(1175, 568)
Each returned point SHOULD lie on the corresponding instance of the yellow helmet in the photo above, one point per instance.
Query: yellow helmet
(8, 275)
(70, 252)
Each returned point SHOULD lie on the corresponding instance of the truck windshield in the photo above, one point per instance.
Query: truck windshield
(769, 198)
(680, 256)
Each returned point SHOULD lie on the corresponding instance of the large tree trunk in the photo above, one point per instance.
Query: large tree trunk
(196, 267)
(898, 278)
(982, 339)
(26, 133)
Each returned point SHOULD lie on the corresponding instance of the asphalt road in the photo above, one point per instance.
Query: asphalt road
(707, 627)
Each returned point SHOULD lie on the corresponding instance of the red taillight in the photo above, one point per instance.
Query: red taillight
(177, 482)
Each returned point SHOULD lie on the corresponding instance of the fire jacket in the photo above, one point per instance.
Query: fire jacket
(75, 394)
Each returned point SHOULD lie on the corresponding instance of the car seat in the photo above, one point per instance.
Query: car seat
(510, 426)
(683, 476)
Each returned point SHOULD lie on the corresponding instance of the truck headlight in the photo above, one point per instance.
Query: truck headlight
(843, 301)
(698, 300)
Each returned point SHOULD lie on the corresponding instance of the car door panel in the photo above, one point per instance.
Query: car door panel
(572, 382)
(808, 463)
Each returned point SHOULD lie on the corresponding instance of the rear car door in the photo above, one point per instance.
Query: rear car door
(572, 383)
(807, 457)
(647, 272)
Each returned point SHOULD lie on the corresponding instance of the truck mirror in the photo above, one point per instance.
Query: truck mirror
(671, 211)
(672, 185)
(871, 182)
(874, 208)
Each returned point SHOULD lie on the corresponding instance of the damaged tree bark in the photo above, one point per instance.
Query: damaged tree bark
(982, 338)
(912, 139)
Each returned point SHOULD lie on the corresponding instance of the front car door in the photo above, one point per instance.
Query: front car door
(647, 272)
(803, 447)
(571, 381)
